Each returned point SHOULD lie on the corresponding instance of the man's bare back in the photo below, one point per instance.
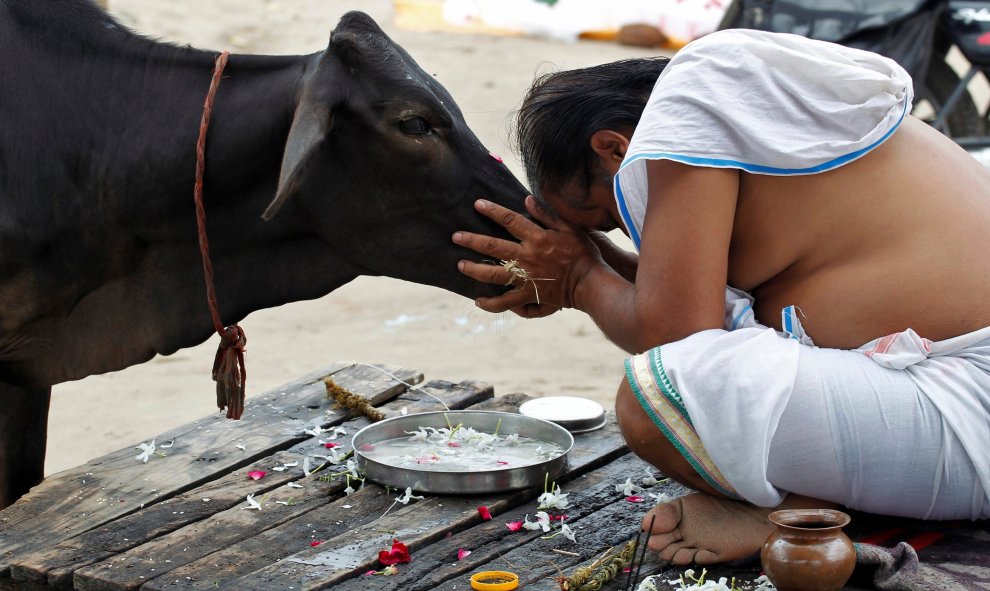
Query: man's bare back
(856, 248)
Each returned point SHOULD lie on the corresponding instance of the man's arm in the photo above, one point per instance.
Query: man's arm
(681, 275)
(683, 262)
(623, 261)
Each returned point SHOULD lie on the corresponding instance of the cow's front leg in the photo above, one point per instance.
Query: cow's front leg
(23, 430)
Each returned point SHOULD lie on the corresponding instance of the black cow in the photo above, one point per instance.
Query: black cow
(99, 267)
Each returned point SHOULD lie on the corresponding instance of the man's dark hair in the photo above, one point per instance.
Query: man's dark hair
(562, 110)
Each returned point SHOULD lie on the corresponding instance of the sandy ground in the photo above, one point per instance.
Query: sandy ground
(374, 320)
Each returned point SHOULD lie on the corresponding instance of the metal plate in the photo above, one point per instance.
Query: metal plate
(483, 481)
(577, 415)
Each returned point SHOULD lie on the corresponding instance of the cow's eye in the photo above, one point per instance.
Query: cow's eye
(414, 126)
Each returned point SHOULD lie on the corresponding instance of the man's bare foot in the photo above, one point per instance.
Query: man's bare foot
(702, 529)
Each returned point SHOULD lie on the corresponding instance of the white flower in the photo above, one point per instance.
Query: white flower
(308, 468)
(166, 445)
(315, 431)
(688, 582)
(543, 520)
(555, 499)
(252, 504)
(294, 485)
(527, 524)
(512, 439)
(241, 447)
(661, 497)
(146, 450)
(335, 456)
(351, 466)
(627, 488)
(350, 489)
(419, 436)
(408, 496)
(565, 531)
(648, 480)
(336, 431)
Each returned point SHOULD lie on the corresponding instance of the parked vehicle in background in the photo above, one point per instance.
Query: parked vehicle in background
(918, 34)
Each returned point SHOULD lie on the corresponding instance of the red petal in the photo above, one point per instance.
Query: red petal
(398, 553)
(315, 543)
(514, 525)
(256, 474)
(462, 553)
(485, 513)
(331, 444)
(634, 499)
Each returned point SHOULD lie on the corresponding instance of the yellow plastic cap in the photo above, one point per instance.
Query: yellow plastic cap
(494, 580)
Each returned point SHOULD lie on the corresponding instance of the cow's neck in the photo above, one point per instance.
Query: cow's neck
(142, 290)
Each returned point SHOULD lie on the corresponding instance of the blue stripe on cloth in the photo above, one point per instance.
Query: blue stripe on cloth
(762, 169)
(739, 317)
(620, 199)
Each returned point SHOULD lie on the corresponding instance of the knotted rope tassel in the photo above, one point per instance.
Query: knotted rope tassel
(228, 367)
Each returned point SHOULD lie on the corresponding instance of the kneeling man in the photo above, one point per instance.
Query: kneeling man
(808, 309)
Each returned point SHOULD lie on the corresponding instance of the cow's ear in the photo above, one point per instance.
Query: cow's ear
(310, 124)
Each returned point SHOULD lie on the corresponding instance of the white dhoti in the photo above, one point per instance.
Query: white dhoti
(900, 426)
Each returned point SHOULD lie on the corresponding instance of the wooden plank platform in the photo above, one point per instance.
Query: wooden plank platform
(181, 520)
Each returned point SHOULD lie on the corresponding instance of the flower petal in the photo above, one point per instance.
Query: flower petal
(256, 474)
(485, 513)
(635, 499)
(398, 553)
(514, 525)
(462, 553)
(330, 444)
(315, 543)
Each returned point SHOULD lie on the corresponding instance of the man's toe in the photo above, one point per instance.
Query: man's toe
(668, 517)
(684, 556)
(658, 542)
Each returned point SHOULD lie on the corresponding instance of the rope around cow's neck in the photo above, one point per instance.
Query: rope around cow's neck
(228, 367)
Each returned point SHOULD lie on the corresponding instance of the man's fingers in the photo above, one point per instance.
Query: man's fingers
(514, 299)
(486, 273)
(516, 224)
(498, 249)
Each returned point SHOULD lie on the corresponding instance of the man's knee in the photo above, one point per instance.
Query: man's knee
(646, 440)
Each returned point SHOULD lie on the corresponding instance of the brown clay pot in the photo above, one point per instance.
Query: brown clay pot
(808, 551)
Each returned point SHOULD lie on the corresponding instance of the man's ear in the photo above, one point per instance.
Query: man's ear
(610, 146)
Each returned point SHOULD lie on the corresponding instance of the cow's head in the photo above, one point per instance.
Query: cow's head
(381, 162)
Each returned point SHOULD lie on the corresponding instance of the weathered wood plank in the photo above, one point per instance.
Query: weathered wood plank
(117, 484)
(417, 525)
(490, 541)
(232, 525)
(600, 518)
(58, 562)
(334, 519)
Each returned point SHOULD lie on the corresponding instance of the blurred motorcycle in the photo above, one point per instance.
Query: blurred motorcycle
(918, 34)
